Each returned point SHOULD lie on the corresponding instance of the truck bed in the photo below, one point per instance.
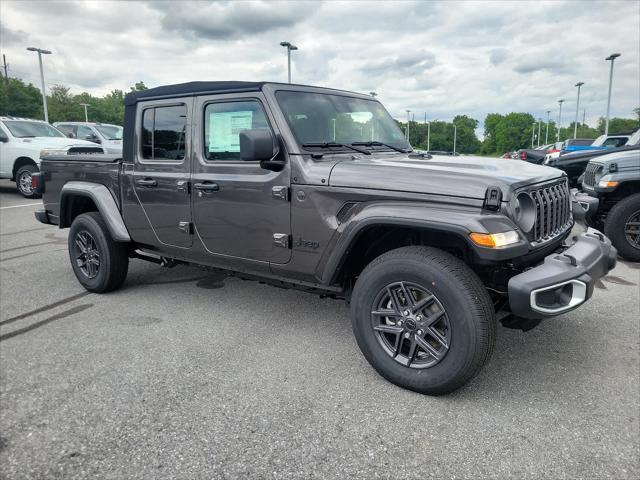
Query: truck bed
(57, 170)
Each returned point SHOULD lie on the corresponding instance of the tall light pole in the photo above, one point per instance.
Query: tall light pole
(575, 125)
(539, 122)
(546, 137)
(428, 136)
(44, 92)
(455, 135)
(86, 116)
(408, 113)
(289, 48)
(560, 102)
(611, 57)
(533, 133)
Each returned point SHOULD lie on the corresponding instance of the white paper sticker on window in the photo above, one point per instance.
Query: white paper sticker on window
(225, 128)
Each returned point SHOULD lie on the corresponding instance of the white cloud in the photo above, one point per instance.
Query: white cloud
(443, 58)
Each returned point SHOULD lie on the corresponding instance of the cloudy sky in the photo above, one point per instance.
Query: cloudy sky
(443, 58)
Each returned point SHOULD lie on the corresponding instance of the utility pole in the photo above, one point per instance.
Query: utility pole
(455, 135)
(44, 92)
(86, 116)
(546, 137)
(611, 57)
(560, 102)
(575, 125)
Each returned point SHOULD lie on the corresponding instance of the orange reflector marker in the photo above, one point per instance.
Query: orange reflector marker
(495, 240)
(608, 184)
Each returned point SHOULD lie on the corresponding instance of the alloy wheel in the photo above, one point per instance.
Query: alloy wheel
(25, 183)
(632, 230)
(86, 254)
(411, 325)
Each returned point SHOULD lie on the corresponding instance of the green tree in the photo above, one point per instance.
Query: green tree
(19, 99)
(620, 125)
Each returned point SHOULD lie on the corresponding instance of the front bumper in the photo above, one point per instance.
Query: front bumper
(565, 280)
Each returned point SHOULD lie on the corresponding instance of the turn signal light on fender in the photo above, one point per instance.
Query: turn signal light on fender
(494, 240)
(605, 184)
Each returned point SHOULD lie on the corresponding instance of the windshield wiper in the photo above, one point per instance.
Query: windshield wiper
(382, 144)
(334, 144)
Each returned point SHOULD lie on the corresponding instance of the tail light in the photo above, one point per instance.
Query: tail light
(523, 155)
(37, 182)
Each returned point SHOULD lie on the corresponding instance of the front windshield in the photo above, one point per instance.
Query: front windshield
(110, 132)
(22, 129)
(634, 139)
(318, 118)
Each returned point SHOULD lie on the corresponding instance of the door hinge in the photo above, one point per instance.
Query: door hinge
(280, 192)
(281, 240)
(183, 186)
(186, 227)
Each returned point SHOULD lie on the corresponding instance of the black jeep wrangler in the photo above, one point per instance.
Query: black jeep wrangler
(317, 189)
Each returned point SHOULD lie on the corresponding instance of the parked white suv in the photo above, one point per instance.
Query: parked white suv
(106, 134)
(22, 140)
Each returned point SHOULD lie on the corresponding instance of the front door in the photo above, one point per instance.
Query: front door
(240, 209)
(161, 170)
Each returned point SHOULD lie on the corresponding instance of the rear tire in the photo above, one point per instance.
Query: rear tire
(99, 263)
(464, 335)
(24, 181)
(617, 227)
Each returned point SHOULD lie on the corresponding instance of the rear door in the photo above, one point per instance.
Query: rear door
(161, 169)
(240, 209)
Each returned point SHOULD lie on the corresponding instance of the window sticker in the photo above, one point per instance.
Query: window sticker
(225, 128)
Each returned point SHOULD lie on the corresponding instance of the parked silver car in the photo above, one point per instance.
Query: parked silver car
(107, 135)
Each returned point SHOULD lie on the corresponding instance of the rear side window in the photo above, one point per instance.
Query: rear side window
(163, 133)
(223, 123)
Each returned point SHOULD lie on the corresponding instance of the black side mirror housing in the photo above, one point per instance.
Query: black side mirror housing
(256, 145)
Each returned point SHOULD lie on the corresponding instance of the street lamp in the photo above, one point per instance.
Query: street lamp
(86, 116)
(575, 126)
(289, 48)
(44, 93)
(533, 133)
(408, 112)
(611, 57)
(560, 117)
(539, 122)
(546, 137)
(428, 136)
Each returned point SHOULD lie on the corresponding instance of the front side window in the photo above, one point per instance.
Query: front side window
(68, 130)
(324, 118)
(223, 123)
(22, 129)
(163, 133)
(84, 133)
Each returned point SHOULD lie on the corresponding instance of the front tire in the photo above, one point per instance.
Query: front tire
(99, 263)
(622, 226)
(24, 181)
(423, 319)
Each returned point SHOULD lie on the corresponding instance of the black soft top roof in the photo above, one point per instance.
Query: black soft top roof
(190, 88)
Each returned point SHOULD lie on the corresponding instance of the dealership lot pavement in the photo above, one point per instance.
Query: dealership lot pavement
(186, 374)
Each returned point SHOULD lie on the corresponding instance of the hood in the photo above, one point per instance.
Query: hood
(440, 175)
(55, 142)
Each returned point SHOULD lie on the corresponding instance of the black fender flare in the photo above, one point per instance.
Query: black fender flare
(103, 199)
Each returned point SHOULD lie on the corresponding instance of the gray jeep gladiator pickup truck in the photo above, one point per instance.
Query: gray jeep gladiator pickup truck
(317, 189)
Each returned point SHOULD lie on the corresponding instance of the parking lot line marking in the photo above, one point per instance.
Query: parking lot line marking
(23, 205)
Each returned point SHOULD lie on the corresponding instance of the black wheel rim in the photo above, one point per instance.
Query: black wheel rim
(632, 230)
(411, 325)
(25, 183)
(86, 254)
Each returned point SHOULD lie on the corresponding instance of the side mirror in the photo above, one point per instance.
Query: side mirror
(256, 145)
(92, 138)
(4, 139)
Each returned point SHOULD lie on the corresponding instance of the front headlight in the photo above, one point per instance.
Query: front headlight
(495, 240)
(524, 211)
(52, 151)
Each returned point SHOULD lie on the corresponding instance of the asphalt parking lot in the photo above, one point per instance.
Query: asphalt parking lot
(187, 374)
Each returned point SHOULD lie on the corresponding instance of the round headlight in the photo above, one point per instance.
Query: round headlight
(525, 211)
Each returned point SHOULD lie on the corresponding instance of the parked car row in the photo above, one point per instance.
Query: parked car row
(24, 141)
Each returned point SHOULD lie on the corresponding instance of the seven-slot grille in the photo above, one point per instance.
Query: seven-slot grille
(79, 150)
(553, 210)
(590, 174)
